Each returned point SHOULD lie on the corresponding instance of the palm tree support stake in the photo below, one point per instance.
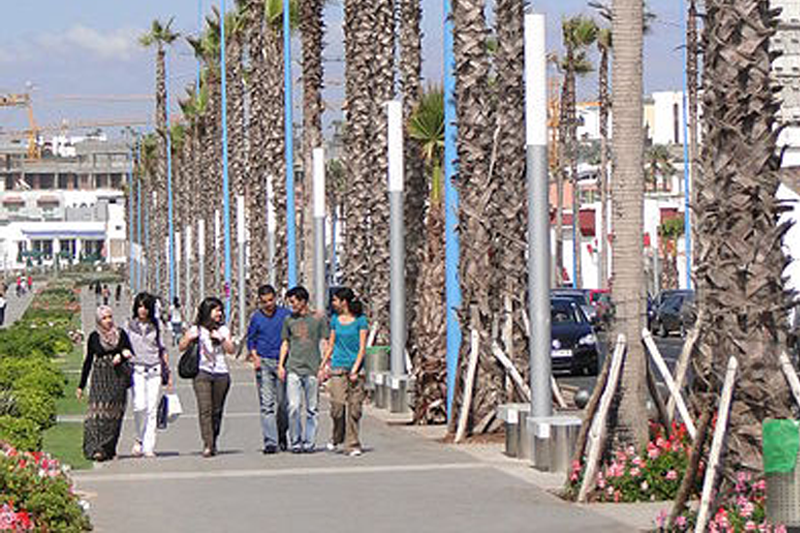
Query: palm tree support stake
(176, 251)
(319, 227)
(397, 320)
(271, 226)
(716, 445)
(673, 389)
(242, 242)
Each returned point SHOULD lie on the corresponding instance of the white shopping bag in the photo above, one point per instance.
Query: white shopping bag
(174, 409)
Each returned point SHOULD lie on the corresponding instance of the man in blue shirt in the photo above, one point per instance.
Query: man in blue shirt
(264, 346)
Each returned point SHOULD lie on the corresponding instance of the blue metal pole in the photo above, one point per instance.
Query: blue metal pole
(687, 218)
(131, 281)
(453, 289)
(169, 188)
(225, 185)
(289, 136)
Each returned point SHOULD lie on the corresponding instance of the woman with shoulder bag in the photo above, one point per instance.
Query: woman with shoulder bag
(150, 371)
(212, 382)
(108, 351)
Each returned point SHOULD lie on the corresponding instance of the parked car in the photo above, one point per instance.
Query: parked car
(675, 313)
(574, 346)
(580, 297)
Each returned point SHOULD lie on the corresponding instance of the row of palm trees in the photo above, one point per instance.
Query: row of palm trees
(491, 178)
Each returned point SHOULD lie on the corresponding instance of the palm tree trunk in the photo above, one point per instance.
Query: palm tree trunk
(235, 74)
(312, 29)
(692, 74)
(410, 40)
(603, 181)
(739, 272)
(511, 198)
(572, 154)
(159, 215)
(561, 177)
(628, 266)
(357, 116)
(477, 187)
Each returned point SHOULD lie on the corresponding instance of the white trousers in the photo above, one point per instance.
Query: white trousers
(146, 386)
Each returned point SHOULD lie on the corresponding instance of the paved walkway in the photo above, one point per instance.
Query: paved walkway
(16, 306)
(403, 482)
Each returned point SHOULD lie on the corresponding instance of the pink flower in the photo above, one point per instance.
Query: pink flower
(635, 472)
(661, 519)
(652, 450)
(671, 475)
(747, 510)
(780, 528)
(750, 526)
(760, 485)
(680, 521)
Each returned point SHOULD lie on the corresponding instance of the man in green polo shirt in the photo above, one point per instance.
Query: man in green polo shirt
(299, 364)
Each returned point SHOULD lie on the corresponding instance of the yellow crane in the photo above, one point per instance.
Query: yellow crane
(24, 100)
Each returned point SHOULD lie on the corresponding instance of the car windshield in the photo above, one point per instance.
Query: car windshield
(565, 311)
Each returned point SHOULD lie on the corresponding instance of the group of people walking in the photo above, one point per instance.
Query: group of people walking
(293, 350)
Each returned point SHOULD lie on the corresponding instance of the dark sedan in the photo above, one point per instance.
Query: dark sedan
(574, 343)
(676, 313)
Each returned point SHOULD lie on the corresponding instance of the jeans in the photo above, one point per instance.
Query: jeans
(346, 399)
(146, 386)
(272, 401)
(299, 390)
(210, 391)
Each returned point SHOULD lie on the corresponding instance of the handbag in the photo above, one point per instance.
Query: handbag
(174, 407)
(161, 414)
(189, 364)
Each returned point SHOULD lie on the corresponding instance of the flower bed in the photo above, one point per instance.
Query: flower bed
(36, 494)
(653, 475)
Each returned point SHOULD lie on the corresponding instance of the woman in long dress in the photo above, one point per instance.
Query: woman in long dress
(108, 350)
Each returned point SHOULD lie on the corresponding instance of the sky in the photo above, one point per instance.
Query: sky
(81, 60)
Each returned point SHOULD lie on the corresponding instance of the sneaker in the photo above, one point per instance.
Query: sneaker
(283, 446)
(355, 452)
(208, 452)
(297, 449)
(310, 449)
(150, 455)
(270, 450)
(136, 451)
(331, 447)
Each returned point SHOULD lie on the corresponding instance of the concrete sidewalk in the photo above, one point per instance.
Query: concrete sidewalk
(405, 481)
(16, 306)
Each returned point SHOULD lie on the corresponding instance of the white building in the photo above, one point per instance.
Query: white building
(70, 208)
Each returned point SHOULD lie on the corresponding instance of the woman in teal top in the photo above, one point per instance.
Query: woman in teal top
(345, 351)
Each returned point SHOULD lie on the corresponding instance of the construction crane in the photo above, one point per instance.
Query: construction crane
(24, 100)
(79, 125)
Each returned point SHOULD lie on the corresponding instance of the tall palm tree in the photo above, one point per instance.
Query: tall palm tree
(426, 127)
(578, 34)
(357, 117)
(477, 188)
(161, 36)
(604, 47)
(312, 31)
(658, 164)
(511, 226)
(628, 191)
(738, 274)
(417, 186)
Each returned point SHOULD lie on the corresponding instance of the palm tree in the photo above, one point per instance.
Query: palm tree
(658, 164)
(160, 36)
(417, 186)
(578, 34)
(511, 226)
(312, 31)
(628, 192)
(477, 188)
(426, 127)
(741, 293)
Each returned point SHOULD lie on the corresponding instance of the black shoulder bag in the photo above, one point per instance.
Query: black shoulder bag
(189, 364)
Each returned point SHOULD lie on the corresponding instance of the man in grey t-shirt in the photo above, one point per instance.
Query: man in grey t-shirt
(299, 363)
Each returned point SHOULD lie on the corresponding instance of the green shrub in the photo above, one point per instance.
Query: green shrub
(36, 406)
(20, 432)
(44, 377)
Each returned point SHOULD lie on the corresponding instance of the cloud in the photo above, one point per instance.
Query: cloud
(116, 44)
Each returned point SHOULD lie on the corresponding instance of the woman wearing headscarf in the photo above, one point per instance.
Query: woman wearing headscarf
(108, 351)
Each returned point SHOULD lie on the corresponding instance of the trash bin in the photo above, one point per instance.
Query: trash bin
(781, 442)
(564, 432)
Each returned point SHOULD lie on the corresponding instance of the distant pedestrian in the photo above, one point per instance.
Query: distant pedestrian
(118, 293)
(98, 292)
(30, 282)
(213, 381)
(347, 345)
(149, 356)
(264, 348)
(176, 320)
(20, 287)
(108, 351)
(299, 366)
(3, 302)
(106, 294)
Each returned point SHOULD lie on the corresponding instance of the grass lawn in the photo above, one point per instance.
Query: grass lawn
(71, 365)
(64, 441)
